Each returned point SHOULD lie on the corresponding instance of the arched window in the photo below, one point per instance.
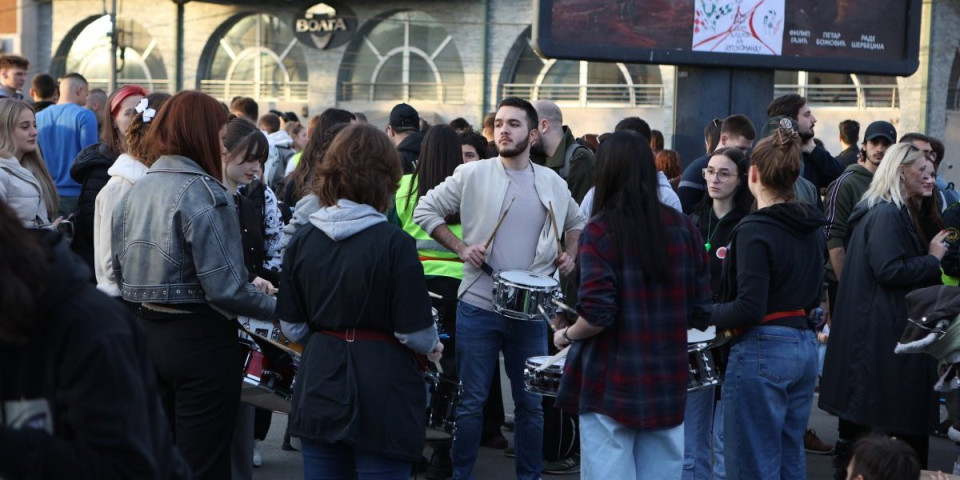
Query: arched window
(254, 56)
(839, 89)
(581, 83)
(404, 57)
(87, 52)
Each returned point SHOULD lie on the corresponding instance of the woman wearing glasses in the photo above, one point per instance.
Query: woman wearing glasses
(727, 201)
(864, 382)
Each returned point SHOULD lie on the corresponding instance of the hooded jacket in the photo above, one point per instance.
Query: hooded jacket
(774, 263)
(350, 269)
(20, 190)
(864, 381)
(409, 149)
(90, 170)
(85, 377)
(123, 174)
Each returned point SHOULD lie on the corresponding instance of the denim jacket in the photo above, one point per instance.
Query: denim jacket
(176, 239)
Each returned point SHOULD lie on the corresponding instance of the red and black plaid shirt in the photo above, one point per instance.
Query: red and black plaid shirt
(635, 371)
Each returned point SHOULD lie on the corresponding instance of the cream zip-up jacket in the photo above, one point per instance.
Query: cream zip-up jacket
(478, 190)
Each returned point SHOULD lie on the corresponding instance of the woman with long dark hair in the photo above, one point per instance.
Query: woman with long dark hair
(177, 253)
(298, 183)
(864, 382)
(25, 182)
(772, 279)
(353, 282)
(644, 281)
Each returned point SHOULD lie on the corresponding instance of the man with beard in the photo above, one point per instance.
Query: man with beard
(482, 192)
(556, 147)
(819, 167)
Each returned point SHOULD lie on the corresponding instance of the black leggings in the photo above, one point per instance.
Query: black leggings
(198, 362)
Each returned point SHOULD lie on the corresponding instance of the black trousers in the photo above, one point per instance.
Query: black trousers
(198, 364)
(493, 414)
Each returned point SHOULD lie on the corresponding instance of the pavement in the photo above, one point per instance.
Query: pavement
(492, 464)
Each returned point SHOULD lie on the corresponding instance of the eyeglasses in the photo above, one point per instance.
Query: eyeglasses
(930, 154)
(722, 175)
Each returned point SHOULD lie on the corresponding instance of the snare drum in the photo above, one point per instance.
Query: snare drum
(443, 396)
(518, 293)
(269, 375)
(544, 381)
(700, 359)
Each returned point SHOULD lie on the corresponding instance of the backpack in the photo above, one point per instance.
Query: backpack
(567, 156)
(278, 167)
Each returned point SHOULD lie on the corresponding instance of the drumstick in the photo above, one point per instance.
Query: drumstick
(564, 307)
(553, 223)
(494, 233)
(434, 295)
(554, 359)
(546, 317)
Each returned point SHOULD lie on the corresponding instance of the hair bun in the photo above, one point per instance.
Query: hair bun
(786, 137)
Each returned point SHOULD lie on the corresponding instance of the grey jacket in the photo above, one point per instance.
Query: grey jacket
(21, 191)
(176, 239)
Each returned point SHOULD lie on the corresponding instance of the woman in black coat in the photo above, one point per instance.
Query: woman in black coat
(864, 382)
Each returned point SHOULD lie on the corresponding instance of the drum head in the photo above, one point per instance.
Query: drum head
(523, 277)
(537, 361)
(697, 336)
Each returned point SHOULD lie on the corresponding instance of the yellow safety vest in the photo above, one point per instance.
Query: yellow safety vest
(437, 260)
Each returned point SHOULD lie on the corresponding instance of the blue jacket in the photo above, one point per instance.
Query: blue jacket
(64, 130)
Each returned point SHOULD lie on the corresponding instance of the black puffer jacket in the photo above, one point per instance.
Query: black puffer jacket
(90, 171)
(409, 150)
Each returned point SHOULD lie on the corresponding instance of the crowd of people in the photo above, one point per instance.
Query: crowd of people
(140, 231)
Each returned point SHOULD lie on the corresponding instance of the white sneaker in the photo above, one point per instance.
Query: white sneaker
(257, 458)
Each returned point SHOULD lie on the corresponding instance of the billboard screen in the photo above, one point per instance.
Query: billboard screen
(854, 36)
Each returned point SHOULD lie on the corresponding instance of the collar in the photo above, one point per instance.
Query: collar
(178, 164)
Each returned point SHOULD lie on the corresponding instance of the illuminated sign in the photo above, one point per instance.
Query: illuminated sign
(324, 26)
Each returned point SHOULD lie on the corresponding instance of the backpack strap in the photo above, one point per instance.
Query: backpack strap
(567, 156)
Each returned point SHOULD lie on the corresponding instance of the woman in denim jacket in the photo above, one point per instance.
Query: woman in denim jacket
(177, 253)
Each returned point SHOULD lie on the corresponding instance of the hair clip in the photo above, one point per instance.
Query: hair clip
(790, 134)
(147, 112)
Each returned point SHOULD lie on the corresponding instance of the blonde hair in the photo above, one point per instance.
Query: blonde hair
(886, 183)
(10, 109)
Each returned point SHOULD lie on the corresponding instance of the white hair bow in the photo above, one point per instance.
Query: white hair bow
(148, 113)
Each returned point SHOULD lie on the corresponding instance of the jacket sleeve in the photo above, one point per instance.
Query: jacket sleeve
(598, 279)
(889, 259)
(691, 188)
(413, 322)
(839, 204)
(290, 308)
(753, 284)
(702, 307)
(273, 233)
(103, 400)
(439, 202)
(951, 261)
(108, 198)
(573, 220)
(580, 179)
(213, 236)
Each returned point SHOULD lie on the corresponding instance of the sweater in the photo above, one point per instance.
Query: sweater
(63, 130)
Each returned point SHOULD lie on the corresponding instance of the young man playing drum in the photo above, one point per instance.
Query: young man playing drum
(483, 192)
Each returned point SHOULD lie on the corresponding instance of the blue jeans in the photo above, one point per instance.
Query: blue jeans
(339, 461)
(767, 396)
(481, 335)
(697, 433)
(609, 450)
(719, 469)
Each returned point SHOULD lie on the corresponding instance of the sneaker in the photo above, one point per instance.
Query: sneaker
(509, 452)
(570, 464)
(257, 458)
(813, 444)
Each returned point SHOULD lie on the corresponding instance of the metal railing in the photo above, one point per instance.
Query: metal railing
(281, 91)
(863, 96)
(603, 95)
(152, 86)
(405, 92)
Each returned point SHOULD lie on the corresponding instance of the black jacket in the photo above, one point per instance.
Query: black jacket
(409, 149)
(87, 365)
(90, 171)
(774, 264)
(864, 381)
(718, 234)
(820, 167)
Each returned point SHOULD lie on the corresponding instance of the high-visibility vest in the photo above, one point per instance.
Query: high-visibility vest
(437, 260)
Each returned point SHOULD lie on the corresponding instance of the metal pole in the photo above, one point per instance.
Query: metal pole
(112, 81)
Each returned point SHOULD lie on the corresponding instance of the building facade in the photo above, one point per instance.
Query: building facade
(448, 58)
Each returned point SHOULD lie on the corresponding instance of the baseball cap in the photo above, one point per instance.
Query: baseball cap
(404, 117)
(881, 129)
